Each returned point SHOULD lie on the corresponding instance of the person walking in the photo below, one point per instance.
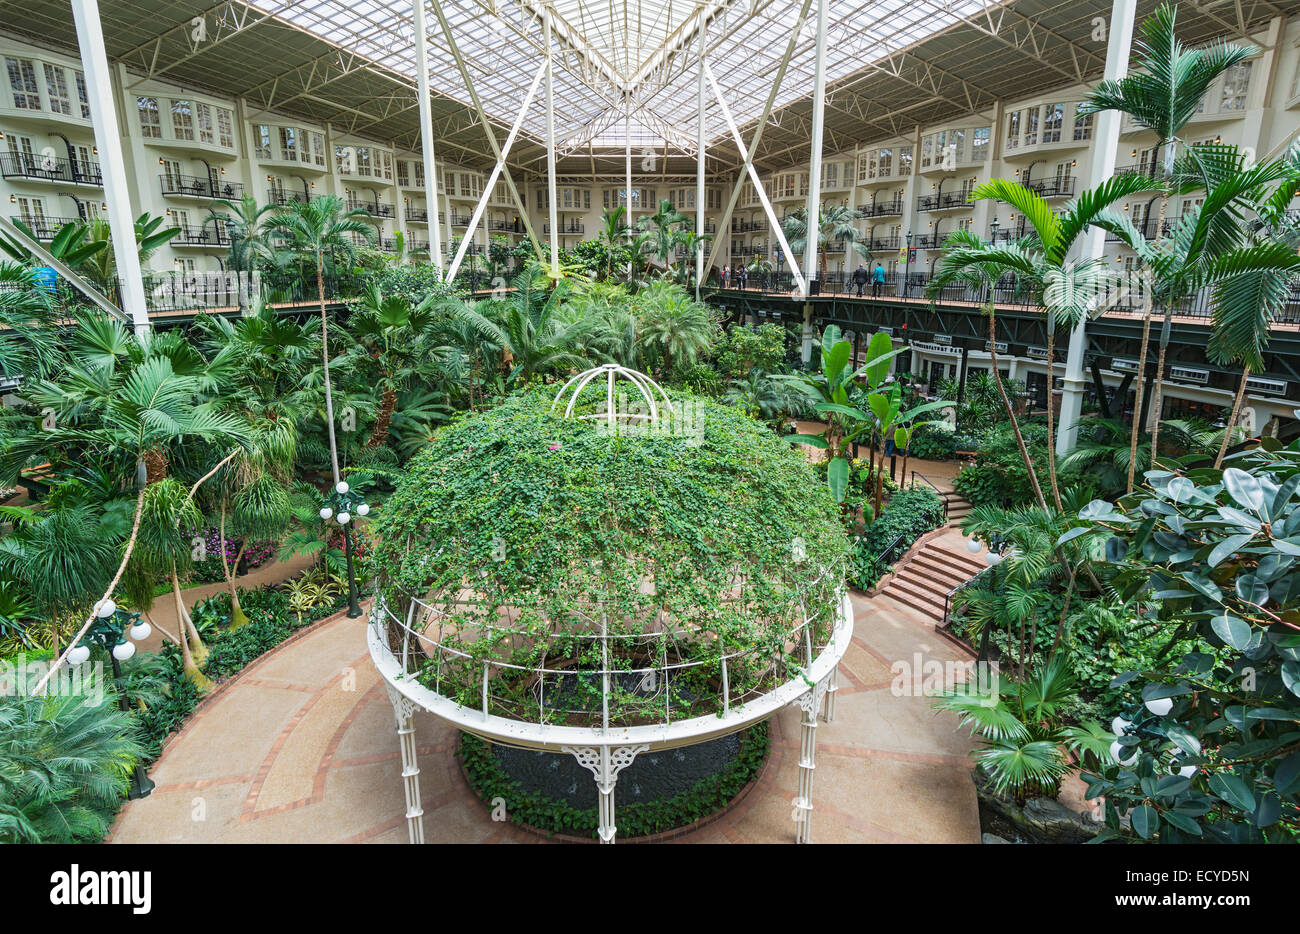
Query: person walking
(877, 280)
(726, 274)
(860, 278)
(741, 276)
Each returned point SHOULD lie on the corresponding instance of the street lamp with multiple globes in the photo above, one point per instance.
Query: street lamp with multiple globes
(343, 505)
(109, 630)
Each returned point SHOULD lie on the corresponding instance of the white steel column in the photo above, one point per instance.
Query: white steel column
(1094, 245)
(699, 164)
(815, 156)
(604, 763)
(404, 711)
(99, 83)
(813, 217)
(552, 210)
(492, 178)
(627, 172)
(426, 133)
(810, 705)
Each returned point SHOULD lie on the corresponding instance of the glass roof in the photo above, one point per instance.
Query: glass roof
(607, 50)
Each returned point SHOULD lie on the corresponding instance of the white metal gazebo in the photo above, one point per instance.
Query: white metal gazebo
(612, 667)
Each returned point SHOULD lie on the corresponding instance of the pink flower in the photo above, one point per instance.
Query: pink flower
(555, 447)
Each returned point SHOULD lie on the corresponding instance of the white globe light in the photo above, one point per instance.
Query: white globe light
(78, 654)
(105, 608)
(344, 518)
(123, 650)
(363, 509)
(973, 546)
(1119, 725)
(342, 486)
(1160, 706)
(326, 512)
(1188, 771)
(1117, 752)
(992, 558)
(140, 631)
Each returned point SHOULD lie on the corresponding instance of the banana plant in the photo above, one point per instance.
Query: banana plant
(837, 388)
(893, 422)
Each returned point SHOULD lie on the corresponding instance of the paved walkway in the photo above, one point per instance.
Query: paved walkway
(302, 748)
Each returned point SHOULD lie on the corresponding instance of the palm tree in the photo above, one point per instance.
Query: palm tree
(310, 231)
(394, 338)
(61, 557)
(530, 326)
(1241, 325)
(662, 225)
(1162, 95)
(100, 267)
(129, 402)
(613, 234)
(27, 339)
(250, 241)
(1067, 290)
(65, 762)
(1213, 248)
(677, 330)
(836, 224)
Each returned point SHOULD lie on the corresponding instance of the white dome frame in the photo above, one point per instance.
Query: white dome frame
(612, 372)
(606, 751)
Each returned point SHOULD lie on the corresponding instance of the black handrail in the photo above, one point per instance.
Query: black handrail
(930, 482)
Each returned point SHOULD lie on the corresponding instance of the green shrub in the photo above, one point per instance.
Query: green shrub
(635, 819)
(910, 513)
(933, 442)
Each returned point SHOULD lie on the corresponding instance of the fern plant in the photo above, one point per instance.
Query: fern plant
(1024, 743)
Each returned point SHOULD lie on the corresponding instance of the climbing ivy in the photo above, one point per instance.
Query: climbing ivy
(713, 538)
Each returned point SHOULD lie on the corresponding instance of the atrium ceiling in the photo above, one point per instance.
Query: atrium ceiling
(623, 68)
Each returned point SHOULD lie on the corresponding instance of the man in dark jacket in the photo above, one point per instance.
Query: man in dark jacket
(860, 278)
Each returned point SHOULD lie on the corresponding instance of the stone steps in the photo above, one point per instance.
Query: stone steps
(923, 582)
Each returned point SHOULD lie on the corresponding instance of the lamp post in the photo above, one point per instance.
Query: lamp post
(107, 631)
(341, 505)
(907, 268)
(993, 241)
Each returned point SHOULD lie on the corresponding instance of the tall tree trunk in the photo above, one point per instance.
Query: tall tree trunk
(1232, 419)
(1006, 402)
(1051, 417)
(238, 618)
(1148, 309)
(198, 650)
(325, 360)
(61, 657)
(379, 433)
(192, 672)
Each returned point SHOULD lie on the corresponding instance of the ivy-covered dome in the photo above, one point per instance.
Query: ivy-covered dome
(543, 569)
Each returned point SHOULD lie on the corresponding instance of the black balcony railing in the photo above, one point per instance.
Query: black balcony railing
(373, 208)
(506, 226)
(566, 229)
(882, 209)
(214, 235)
(459, 220)
(1056, 187)
(943, 201)
(421, 215)
(200, 186)
(50, 168)
(928, 241)
(46, 227)
(281, 197)
(883, 244)
(748, 226)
